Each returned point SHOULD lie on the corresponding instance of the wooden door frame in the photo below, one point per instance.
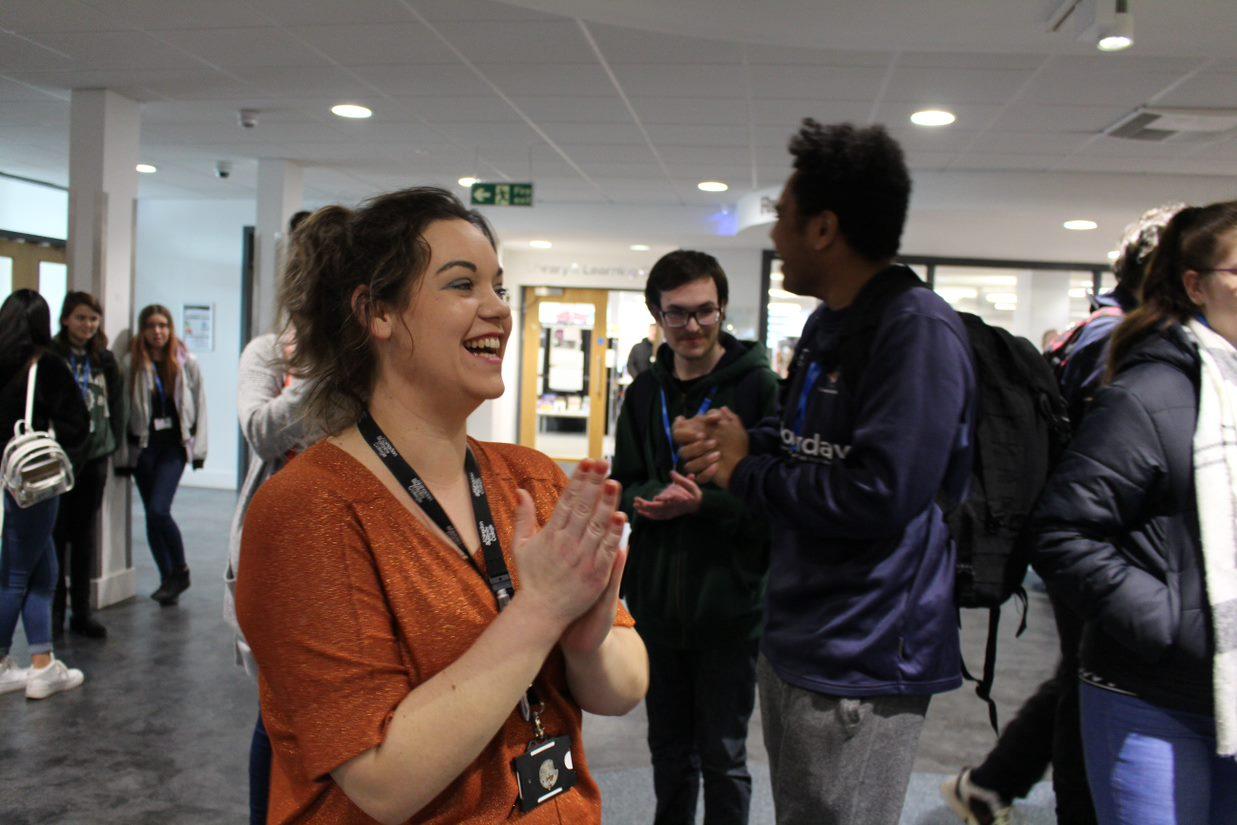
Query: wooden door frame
(26, 257)
(530, 340)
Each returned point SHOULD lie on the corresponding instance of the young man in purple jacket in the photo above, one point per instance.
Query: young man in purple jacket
(861, 627)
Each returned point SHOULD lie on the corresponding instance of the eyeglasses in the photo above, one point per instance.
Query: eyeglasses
(676, 318)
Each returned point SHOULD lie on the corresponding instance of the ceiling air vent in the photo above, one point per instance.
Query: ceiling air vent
(1175, 124)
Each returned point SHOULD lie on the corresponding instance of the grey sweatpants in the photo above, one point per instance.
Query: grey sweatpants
(837, 761)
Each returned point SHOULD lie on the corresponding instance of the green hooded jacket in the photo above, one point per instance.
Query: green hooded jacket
(698, 580)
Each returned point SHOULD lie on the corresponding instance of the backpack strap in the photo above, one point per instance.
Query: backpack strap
(854, 344)
(31, 378)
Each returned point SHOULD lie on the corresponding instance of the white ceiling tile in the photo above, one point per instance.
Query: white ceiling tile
(373, 44)
(1029, 143)
(157, 83)
(607, 152)
(795, 56)
(435, 10)
(1099, 85)
(944, 86)
(548, 79)
(601, 133)
(267, 46)
(177, 14)
(1205, 90)
(1036, 117)
(771, 111)
(987, 162)
(671, 80)
(113, 50)
(692, 135)
(34, 16)
(307, 13)
(11, 89)
(969, 60)
(695, 153)
(702, 111)
(606, 108)
(435, 80)
(542, 42)
(455, 109)
(623, 45)
(823, 82)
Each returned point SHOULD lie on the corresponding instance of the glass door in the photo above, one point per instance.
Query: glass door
(564, 377)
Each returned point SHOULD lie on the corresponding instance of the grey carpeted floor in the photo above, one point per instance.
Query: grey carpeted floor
(160, 731)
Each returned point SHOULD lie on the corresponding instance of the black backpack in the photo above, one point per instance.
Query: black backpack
(1021, 431)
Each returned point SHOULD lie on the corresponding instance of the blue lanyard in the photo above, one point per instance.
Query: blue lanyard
(805, 395)
(82, 375)
(665, 421)
(159, 384)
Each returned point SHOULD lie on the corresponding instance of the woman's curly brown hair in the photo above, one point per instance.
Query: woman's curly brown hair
(379, 246)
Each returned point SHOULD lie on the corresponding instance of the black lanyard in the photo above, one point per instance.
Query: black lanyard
(495, 574)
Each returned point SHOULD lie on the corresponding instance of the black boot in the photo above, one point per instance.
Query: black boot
(177, 583)
(164, 588)
(85, 625)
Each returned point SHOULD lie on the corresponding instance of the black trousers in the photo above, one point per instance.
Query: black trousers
(1046, 731)
(77, 540)
(699, 704)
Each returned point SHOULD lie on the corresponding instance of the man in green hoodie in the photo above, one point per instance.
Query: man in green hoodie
(695, 579)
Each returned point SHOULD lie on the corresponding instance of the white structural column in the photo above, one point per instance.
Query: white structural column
(104, 134)
(280, 189)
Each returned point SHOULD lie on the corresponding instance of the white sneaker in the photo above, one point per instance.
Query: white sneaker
(54, 678)
(12, 677)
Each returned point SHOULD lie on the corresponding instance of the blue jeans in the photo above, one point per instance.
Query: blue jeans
(28, 573)
(1148, 765)
(699, 703)
(260, 757)
(158, 472)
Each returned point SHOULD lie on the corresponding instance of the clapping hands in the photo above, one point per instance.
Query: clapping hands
(712, 445)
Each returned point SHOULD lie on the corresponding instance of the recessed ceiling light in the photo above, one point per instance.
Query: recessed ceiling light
(540, 244)
(467, 181)
(640, 247)
(147, 168)
(1114, 43)
(352, 110)
(933, 117)
(712, 186)
(1081, 225)
(1113, 254)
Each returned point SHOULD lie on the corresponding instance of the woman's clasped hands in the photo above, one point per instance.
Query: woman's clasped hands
(571, 569)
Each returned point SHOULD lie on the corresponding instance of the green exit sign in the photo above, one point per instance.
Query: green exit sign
(502, 194)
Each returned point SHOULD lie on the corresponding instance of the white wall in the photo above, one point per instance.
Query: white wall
(33, 209)
(189, 252)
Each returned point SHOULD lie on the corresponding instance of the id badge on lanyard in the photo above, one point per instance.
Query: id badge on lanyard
(163, 422)
(546, 769)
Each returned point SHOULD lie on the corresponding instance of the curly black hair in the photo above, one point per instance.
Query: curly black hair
(857, 173)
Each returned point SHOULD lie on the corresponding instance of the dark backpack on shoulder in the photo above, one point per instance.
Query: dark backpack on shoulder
(1021, 431)
(1062, 347)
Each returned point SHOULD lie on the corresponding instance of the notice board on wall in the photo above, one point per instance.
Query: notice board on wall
(197, 324)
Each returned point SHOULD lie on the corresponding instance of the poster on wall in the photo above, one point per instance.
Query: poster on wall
(197, 324)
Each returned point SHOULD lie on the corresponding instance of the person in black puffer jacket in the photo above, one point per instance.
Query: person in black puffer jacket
(28, 566)
(1120, 544)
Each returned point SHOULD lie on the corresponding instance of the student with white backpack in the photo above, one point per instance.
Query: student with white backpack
(34, 476)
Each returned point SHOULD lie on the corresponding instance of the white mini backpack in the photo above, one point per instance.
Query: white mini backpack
(34, 466)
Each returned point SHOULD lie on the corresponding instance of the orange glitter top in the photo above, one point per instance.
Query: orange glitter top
(349, 602)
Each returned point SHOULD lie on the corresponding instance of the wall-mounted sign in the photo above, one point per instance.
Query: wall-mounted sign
(502, 194)
(197, 326)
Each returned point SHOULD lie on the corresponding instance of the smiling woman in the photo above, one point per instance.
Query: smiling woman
(402, 585)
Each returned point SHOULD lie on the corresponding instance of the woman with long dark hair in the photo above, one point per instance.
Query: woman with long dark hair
(402, 585)
(1137, 532)
(166, 430)
(82, 343)
(28, 568)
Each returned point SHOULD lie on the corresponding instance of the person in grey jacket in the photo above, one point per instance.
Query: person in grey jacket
(165, 429)
(269, 407)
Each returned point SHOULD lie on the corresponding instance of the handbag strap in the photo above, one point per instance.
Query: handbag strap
(33, 376)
